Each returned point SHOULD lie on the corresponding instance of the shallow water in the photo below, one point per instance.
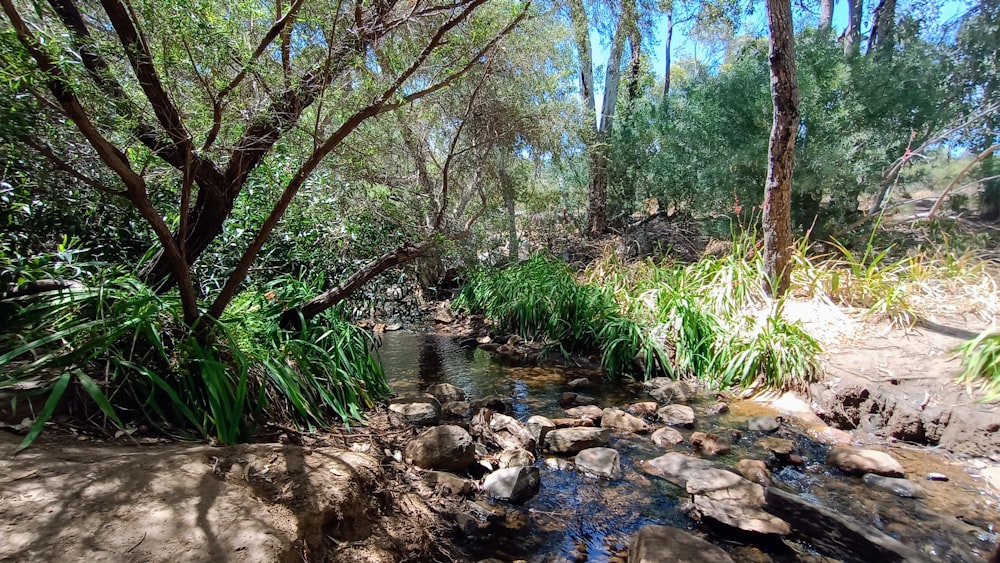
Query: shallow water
(580, 518)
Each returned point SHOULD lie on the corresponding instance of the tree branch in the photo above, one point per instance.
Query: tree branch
(265, 41)
(66, 167)
(141, 59)
(307, 168)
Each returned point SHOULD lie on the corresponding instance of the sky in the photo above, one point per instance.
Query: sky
(683, 47)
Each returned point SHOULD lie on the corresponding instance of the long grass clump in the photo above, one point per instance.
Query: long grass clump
(981, 365)
(713, 319)
(114, 341)
(540, 299)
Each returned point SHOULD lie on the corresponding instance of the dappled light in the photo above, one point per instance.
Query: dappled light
(479, 280)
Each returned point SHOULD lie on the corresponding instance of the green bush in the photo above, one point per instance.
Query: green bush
(541, 300)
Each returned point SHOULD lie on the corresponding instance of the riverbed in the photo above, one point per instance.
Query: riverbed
(577, 517)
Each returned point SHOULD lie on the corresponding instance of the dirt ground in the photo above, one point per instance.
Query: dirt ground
(68, 500)
(893, 383)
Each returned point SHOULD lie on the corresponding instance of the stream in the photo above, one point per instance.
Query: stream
(576, 517)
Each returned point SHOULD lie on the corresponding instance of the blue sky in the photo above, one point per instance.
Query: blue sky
(683, 47)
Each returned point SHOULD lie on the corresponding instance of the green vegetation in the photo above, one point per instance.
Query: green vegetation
(541, 300)
(128, 350)
(981, 365)
(672, 318)
(224, 167)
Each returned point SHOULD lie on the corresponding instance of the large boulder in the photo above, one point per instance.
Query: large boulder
(663, 544)
(515, 458)
(515, 484)
(643, 408)
(456, 409)
(763, 424)
(592, 412)
(420, 409)
(539, 426)
(442, 447)
(710, 444)
(754, 470)
(573, 440)
(717, 493)
(676, 415)
(857, 461)
(602, 462)
(849, 539)
(675, 467)
(446, 392)
(899, 487)
(621, 420)
(447, 483)
(570, 399)
(670, 391)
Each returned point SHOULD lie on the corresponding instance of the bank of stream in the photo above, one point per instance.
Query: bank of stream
(577, 517)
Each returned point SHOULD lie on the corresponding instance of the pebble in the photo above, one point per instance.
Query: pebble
(932, 476)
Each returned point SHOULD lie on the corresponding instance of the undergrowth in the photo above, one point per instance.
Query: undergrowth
(540, 299)
(125, 347)
(711, 319)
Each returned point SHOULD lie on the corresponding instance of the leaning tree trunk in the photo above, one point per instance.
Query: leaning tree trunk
(880, 40)
(292, 317)
(781, 148)
(666, 55)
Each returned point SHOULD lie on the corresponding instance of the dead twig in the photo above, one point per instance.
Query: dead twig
(142, 539)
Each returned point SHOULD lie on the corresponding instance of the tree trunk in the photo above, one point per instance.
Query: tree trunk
(513, 244)
(883, 26)
(825, 14)
(852, 35)
(581, 33)
(781, 149)
(990, 196)
(635, 61)
(666, 56)
(292, 317)
(597, 191)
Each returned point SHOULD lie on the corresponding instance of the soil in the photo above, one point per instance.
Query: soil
(893, 383)
(70, 500)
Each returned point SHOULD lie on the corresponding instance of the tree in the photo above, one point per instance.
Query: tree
(781, 149)
(454, 157)
(208, 107)
(852, 35)
(880, 40)
(825, 14)
(597, 131)
(977, 59)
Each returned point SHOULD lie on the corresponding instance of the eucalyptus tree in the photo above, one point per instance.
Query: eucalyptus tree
(183, 100)
(977, 57)
(781, 149)
(623, 23)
